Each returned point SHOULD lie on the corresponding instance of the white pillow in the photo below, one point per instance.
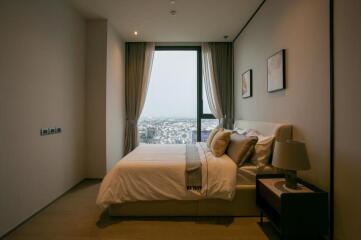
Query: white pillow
(263, 148)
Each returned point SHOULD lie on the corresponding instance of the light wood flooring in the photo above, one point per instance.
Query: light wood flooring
(75, 216)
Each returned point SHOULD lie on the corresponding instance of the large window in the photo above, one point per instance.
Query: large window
(174, 110)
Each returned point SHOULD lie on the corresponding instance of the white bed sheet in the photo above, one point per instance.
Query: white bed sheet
(157, 172)
(246, 174)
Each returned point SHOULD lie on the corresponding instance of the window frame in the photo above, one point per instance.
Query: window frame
(200, 114)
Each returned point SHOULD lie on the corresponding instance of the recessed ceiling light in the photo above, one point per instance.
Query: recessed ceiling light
(135, 33)
(172, 2)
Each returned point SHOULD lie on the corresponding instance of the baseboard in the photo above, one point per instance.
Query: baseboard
(47, 205)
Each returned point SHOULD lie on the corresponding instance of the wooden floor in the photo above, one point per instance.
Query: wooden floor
(75, 216)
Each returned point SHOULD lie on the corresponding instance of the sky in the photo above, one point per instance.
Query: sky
(172, 90)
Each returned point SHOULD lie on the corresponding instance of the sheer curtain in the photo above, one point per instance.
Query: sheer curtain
(217, 60)
(210, 83)
(138, 62)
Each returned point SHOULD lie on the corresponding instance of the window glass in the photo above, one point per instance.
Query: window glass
(169, 115)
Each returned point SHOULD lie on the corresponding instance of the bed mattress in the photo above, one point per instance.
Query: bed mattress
(246, 174)
(157, 172)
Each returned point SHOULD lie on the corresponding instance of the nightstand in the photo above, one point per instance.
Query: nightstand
(294, 213)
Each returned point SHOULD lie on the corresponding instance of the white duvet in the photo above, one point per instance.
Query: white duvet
(157, 172)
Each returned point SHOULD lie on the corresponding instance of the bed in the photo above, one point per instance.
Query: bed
(150, 181)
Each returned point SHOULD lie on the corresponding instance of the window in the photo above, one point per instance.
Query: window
(170, 111)
(205, 104)
(176, 108)
(206, 127)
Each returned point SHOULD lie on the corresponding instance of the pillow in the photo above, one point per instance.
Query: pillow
(220, 142)
(263, 148)
(253, 132)
(211, 135)
(241, 147)
(262, 151)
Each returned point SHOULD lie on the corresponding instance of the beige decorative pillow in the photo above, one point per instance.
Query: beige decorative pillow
(220, 142)
(212, 134)
(263, 148)
(241, 147)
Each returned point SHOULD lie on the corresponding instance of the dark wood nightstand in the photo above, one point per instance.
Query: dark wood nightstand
(301, 213)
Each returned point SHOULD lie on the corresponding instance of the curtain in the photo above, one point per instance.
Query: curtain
(217, 60)
(210, 83)
(138, 62)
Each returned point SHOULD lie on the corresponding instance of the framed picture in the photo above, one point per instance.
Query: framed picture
(247, 84)
(276, 79)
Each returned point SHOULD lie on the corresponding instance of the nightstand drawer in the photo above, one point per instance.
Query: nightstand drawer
(268, 195)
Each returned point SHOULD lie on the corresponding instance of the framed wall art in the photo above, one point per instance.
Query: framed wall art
(246, 81)
(276, 79)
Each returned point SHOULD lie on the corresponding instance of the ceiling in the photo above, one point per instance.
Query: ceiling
(195, 20)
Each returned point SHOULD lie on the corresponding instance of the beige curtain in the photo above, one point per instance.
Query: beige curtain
(210, 83)
(218, 79)
(139, 59)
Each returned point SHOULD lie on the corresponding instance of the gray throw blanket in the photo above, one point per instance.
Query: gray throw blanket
(193, 168)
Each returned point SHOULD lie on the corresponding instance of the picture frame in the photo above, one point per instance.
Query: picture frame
(276, 71)
(246, 84)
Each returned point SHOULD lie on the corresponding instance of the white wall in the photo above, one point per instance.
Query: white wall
(300, 27)
(95, 109)
(41, 85)
(115, 97)
(347, 119)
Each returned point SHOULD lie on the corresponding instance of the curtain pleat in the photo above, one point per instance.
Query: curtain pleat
(217, 60)
(139, 60)
(210, 83)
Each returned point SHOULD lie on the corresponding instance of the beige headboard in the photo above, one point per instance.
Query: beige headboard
(281, 131)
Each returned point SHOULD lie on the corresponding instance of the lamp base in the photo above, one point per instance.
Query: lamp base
(291, 179)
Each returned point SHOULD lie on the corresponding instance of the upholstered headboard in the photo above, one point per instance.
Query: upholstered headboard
(281, 131)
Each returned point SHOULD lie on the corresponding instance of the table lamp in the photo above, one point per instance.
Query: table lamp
(290, 156)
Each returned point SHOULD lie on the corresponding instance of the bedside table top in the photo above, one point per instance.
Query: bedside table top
(277, 185)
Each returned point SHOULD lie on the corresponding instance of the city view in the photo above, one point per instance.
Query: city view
(173, 130)
(170, 109)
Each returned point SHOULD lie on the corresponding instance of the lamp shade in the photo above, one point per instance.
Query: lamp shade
(290, 155)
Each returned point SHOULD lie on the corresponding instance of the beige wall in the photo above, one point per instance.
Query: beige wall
(300, 27)
(115, 97)
(96, 68)
(347, 119)
(104, 98)
(41, 85)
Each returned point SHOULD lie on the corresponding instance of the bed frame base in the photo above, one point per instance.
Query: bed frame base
(243, 204)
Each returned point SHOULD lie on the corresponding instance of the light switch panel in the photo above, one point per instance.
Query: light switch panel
(51, 130)
(44, 131)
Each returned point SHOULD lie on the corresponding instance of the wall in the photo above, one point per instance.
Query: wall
(105, 103)
(300, 27)
(347, 48)
(95, 109)
(41, 85)
(115, 98)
